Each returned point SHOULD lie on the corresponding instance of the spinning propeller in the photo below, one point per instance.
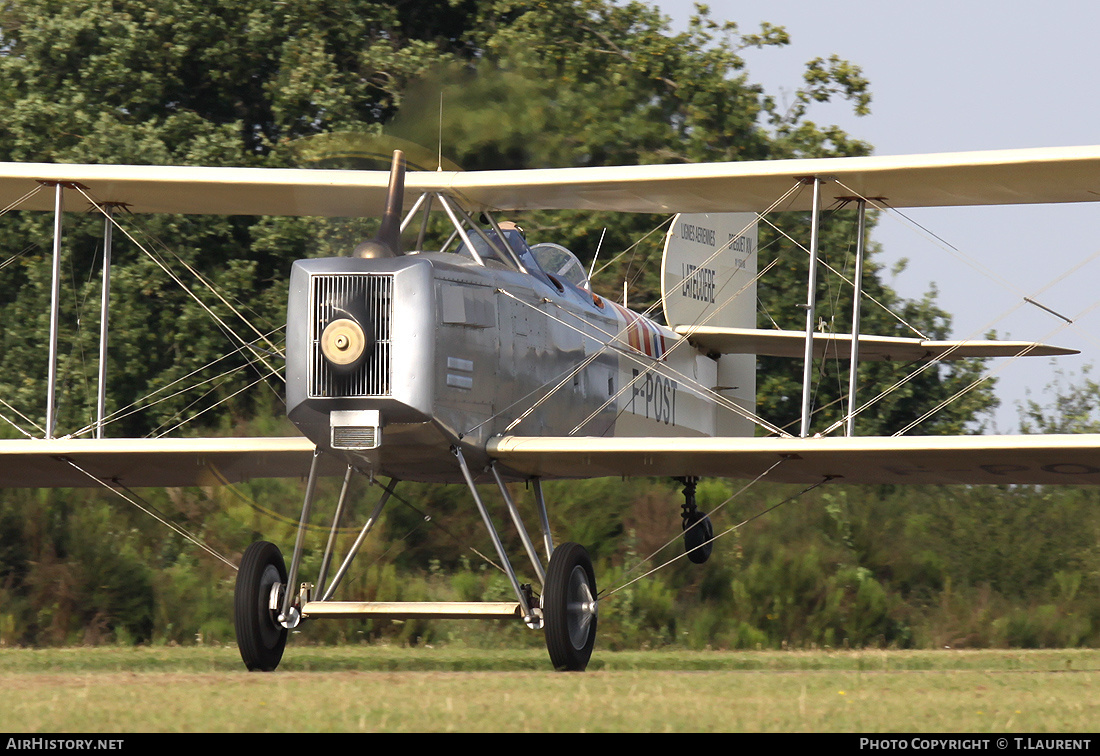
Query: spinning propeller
(348, 338)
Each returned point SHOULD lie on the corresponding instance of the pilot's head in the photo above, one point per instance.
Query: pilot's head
(511, 226)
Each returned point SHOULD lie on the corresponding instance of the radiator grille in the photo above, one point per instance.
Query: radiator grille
(352, 437)
(368, 297)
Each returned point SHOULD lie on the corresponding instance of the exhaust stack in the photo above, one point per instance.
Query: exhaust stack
(388, 241)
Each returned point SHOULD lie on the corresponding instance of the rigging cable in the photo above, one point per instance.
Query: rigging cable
(151, 511)
(1024, 299)
(229, 331)
(729, 404)
(678, 536)
(133, 407)
(608, 593)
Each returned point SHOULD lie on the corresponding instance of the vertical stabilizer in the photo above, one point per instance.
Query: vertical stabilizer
(708, 279)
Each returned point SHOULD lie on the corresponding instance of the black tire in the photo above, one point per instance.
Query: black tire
(260, 637)
(698, 538)
(569, 607)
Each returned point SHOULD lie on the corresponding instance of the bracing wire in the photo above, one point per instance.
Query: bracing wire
(142, 404)
(218, 319)
(612, 339)
(607, 594)
(1025, 298)
(716, 509)
(152, 512)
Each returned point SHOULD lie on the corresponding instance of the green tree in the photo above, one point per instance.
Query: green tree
(524, 84)
(190, 83)
(1071, 406)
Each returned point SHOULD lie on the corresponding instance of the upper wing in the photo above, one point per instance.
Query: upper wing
(198, 190)
(1001, 177)
(137, 462)
(1063, 174)
(775, 343)
(1047, 460)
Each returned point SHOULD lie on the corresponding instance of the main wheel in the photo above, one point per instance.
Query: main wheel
(260, 637)
(569, 607)
(698, 537)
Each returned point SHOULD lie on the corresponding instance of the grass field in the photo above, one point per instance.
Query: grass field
(378, 688)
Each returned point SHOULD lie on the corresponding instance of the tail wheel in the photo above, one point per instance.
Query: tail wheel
(569, 607)
(260, 637)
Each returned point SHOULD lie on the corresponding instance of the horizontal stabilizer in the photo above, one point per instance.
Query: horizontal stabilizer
(996, 460)
(773, 343)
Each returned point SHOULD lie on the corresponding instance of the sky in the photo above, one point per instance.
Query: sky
(959, 76)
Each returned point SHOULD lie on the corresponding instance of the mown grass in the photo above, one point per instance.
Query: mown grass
(380, 688)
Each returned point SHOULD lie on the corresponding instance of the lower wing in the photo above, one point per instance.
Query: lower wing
(998, 460)
(160, 462)
(1046, 460)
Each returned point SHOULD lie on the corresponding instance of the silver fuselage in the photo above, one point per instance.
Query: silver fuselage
(463, 351)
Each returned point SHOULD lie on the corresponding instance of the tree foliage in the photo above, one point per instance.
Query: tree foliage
(1070, 407)
(523, 83)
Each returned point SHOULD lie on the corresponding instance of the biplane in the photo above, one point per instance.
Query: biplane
(490, 360)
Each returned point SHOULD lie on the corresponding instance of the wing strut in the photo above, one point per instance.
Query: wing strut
(857, 295)
(55, 306)
(55, 296)
(811, 309)
(104, 302)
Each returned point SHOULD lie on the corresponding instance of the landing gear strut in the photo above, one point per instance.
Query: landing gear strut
(265, 607)
(698, 532)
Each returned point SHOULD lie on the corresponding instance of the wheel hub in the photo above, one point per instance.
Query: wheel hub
(581, 609)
